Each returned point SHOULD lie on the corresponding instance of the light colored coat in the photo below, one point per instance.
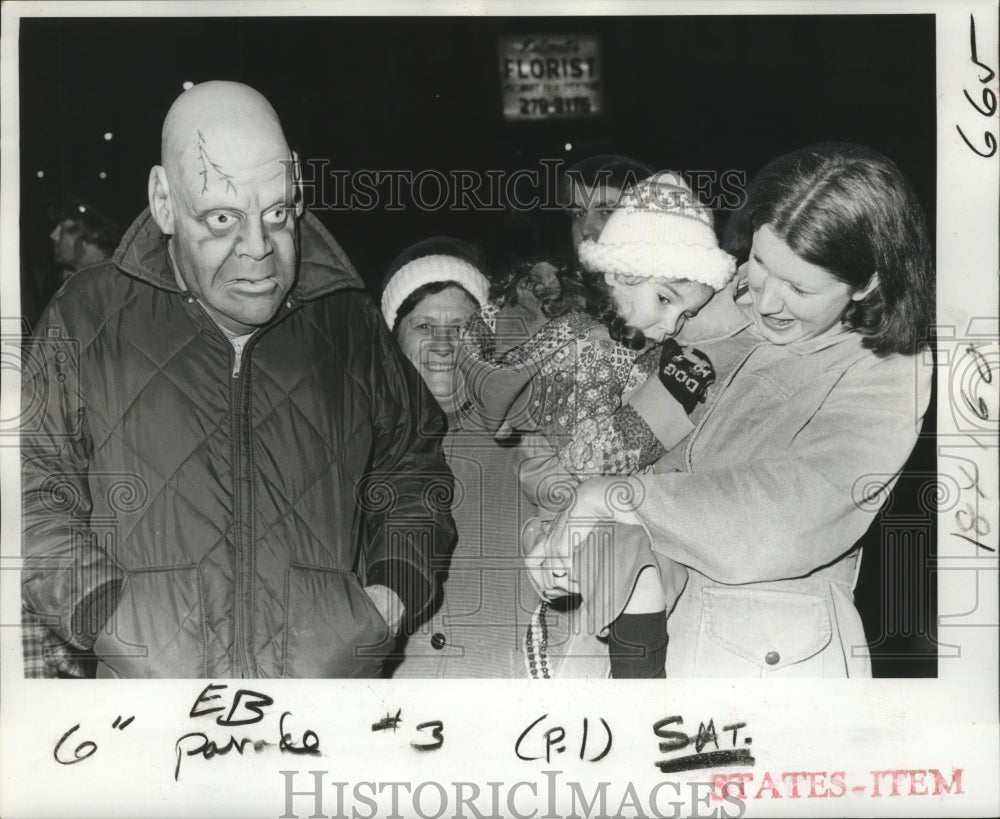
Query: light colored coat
(486, 599)
(781, 477)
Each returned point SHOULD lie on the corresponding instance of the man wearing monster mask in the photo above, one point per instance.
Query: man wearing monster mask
(227, 367)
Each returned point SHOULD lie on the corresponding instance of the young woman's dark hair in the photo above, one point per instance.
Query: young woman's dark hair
(560, 284)
(408, 305)
(849, 210)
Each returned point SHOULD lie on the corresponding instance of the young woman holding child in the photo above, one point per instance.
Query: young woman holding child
(767, 498)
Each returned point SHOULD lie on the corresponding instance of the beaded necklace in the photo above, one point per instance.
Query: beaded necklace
(537, 639)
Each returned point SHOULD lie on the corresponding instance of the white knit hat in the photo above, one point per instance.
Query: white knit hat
(660, 229)
(427, 270)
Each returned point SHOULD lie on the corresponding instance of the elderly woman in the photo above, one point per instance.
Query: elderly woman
(485, 601)
(766, 499)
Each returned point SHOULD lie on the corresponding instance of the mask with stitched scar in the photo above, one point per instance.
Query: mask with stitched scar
(224, 196)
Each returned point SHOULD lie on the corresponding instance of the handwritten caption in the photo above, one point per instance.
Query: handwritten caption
(246, 708)
(970, 518)
(989, 97)
(240, 708)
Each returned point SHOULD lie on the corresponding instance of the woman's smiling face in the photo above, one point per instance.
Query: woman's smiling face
(429, 336)
(794, 300)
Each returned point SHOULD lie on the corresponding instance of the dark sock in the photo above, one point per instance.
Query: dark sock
(638, 646)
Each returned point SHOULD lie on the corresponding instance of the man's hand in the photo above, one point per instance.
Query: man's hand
(389, 606)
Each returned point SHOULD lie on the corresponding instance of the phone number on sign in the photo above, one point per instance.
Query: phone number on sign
(544, 106)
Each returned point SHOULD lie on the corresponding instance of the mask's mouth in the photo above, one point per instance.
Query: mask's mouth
(253, 287)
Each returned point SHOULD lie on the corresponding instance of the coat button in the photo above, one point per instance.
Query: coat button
(438, 641)
(772, 658)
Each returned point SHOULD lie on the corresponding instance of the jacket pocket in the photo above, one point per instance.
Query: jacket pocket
(333, 628)
(757, 632)
(158, 627)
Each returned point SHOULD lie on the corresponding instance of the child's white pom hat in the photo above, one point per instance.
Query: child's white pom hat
(660, 229)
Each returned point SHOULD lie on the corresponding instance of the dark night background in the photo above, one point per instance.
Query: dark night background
(686, 93)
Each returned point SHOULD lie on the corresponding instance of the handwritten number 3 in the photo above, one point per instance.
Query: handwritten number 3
(436, 727)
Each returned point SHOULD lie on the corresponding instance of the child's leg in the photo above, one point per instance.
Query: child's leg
(647, 596)
(627, 591)
(638, 638)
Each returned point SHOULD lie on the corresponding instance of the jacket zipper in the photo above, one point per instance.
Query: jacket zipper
(240, 434)
(243, 511)
(239, 430)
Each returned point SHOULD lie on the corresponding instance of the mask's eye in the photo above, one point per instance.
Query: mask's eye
(220, 222)
(276, 217)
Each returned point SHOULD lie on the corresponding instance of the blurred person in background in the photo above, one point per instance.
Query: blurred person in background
(83, 233)
(590, 190)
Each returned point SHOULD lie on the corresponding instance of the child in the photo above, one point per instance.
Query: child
(655, 264)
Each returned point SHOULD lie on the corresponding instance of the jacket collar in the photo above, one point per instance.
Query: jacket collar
(323, 265)
(721, 318)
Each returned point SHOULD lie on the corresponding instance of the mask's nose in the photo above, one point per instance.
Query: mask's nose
(253, 241)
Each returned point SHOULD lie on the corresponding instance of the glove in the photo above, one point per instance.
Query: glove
(686, 373)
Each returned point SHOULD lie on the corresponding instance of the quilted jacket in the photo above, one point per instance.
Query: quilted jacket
(235, 518)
